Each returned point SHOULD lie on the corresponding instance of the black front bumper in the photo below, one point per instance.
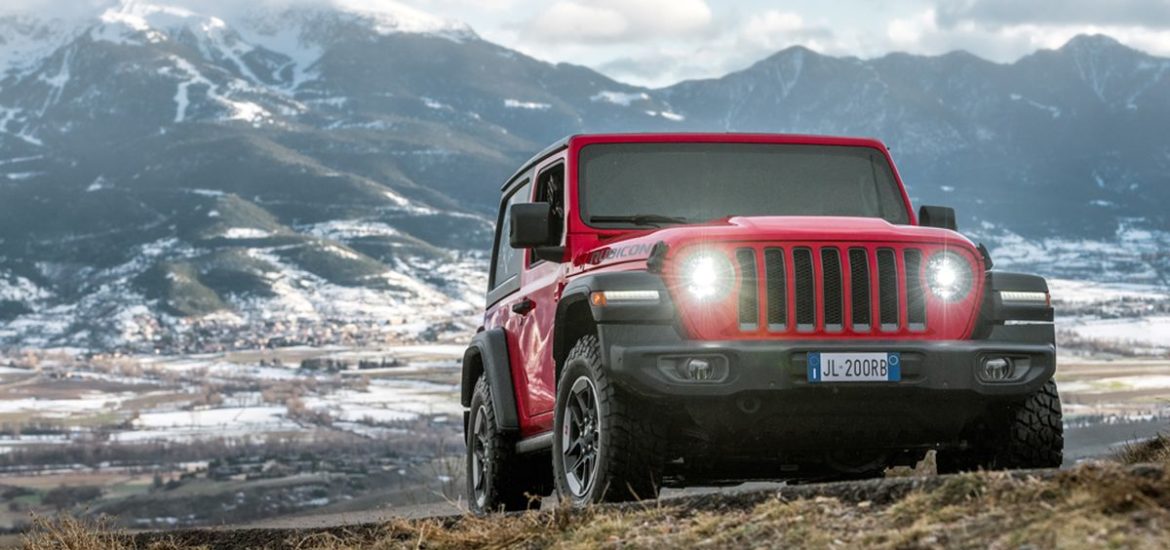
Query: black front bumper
(767, 410)
(634, 354)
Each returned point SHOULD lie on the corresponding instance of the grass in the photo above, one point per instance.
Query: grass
(1102, 504)
(1154, 450)
(67, 533)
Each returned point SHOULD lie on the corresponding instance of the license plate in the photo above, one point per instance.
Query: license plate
(854, 367)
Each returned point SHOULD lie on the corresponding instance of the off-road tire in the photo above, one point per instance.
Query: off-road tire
(508, 483)
(632, 441)
(1036, 439)
(1025, 436)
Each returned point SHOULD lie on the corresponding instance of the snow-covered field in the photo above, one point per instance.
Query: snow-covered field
(390, 400)
(1126, 318)
(1132, 256)
(247, 396)
(85, 403)
(1150, 333)
(1069, 292)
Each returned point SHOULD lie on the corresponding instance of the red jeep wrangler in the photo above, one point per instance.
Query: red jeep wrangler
(683, 309)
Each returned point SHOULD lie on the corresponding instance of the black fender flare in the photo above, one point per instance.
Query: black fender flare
(997, 311)
(994, 314)
(490, 349)
(577, 293)
(580, 288)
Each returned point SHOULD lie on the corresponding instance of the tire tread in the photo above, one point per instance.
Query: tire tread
(507, 488)
(637, 443)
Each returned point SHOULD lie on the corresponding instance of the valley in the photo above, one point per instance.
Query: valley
(370, 425)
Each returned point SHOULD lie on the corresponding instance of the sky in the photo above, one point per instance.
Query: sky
(660, 42)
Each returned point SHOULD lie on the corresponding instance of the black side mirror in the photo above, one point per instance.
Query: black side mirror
(532, 225)
(535, 227)
(937, 216)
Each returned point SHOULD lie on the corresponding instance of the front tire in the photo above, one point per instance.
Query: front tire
(1027, 435)
(1036, 436)
(496, 477)
(607, 446)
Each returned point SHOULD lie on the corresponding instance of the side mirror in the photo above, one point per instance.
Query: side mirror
(937, 216)
(532, 225)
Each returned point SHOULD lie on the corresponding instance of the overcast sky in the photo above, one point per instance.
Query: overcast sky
(659, 42)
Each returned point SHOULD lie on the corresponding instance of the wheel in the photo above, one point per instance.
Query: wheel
(496, 477)
(1036, 439)
(606, 444)
(1027, 435)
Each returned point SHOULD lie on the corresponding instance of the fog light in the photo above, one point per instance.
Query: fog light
(699, 369)
(708, 369)
(997, 369)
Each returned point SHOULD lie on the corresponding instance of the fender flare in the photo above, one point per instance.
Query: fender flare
(661, 311)
(577, 292)
(994, 314)
(995, 310)
(490, 349)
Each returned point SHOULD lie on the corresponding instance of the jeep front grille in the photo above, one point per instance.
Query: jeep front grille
(806, 315)
(859, 287)
(776, 285)
(830, 289)
(749, 302)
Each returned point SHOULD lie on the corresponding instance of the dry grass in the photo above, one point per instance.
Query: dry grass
(68, 533)
(1089, 507)
(1154, 450)
(1106, 504)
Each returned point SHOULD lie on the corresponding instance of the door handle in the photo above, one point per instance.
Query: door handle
(523, 306)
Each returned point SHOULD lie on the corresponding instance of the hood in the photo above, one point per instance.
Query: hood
(638, 245)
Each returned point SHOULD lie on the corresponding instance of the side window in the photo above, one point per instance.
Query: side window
(550, 188)
(507, 259)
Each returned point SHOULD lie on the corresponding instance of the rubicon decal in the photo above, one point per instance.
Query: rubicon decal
(607, 254)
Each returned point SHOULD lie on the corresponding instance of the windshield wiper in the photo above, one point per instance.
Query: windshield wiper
(656, 220)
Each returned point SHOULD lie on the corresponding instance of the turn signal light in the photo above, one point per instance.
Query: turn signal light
(606, 297)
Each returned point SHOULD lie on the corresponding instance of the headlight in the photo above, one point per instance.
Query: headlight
(949, 276)
(707, 275)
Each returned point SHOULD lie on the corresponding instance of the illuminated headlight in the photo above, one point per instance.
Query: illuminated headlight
(707, 275)
(949, 276)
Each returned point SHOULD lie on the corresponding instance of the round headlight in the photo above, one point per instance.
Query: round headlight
(949, 276)
(707, 275)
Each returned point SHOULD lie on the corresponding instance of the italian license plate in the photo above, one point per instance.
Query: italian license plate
(854, 367)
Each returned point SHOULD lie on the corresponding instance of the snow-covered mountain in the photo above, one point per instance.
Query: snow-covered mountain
(165, 171)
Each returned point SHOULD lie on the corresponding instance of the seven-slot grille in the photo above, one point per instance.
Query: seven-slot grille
(830, 289)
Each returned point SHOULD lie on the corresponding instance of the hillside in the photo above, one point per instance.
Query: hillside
(169, 178)
(1094, 505)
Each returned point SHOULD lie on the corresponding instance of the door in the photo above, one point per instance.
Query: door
(505, 301)
(540, 285)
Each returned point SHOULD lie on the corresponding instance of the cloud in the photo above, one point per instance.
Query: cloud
(929, 33)
(54, 7)
(775, 30)
(608, 21)
(1009, 13)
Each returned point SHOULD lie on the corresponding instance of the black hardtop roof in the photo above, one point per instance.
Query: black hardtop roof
(545, 153)
(562, 143)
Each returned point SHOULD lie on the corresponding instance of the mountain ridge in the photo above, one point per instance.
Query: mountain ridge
(158, 174)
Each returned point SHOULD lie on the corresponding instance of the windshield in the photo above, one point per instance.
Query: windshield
(626, 184)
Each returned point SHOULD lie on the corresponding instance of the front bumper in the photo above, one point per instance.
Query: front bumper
(928, 367)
